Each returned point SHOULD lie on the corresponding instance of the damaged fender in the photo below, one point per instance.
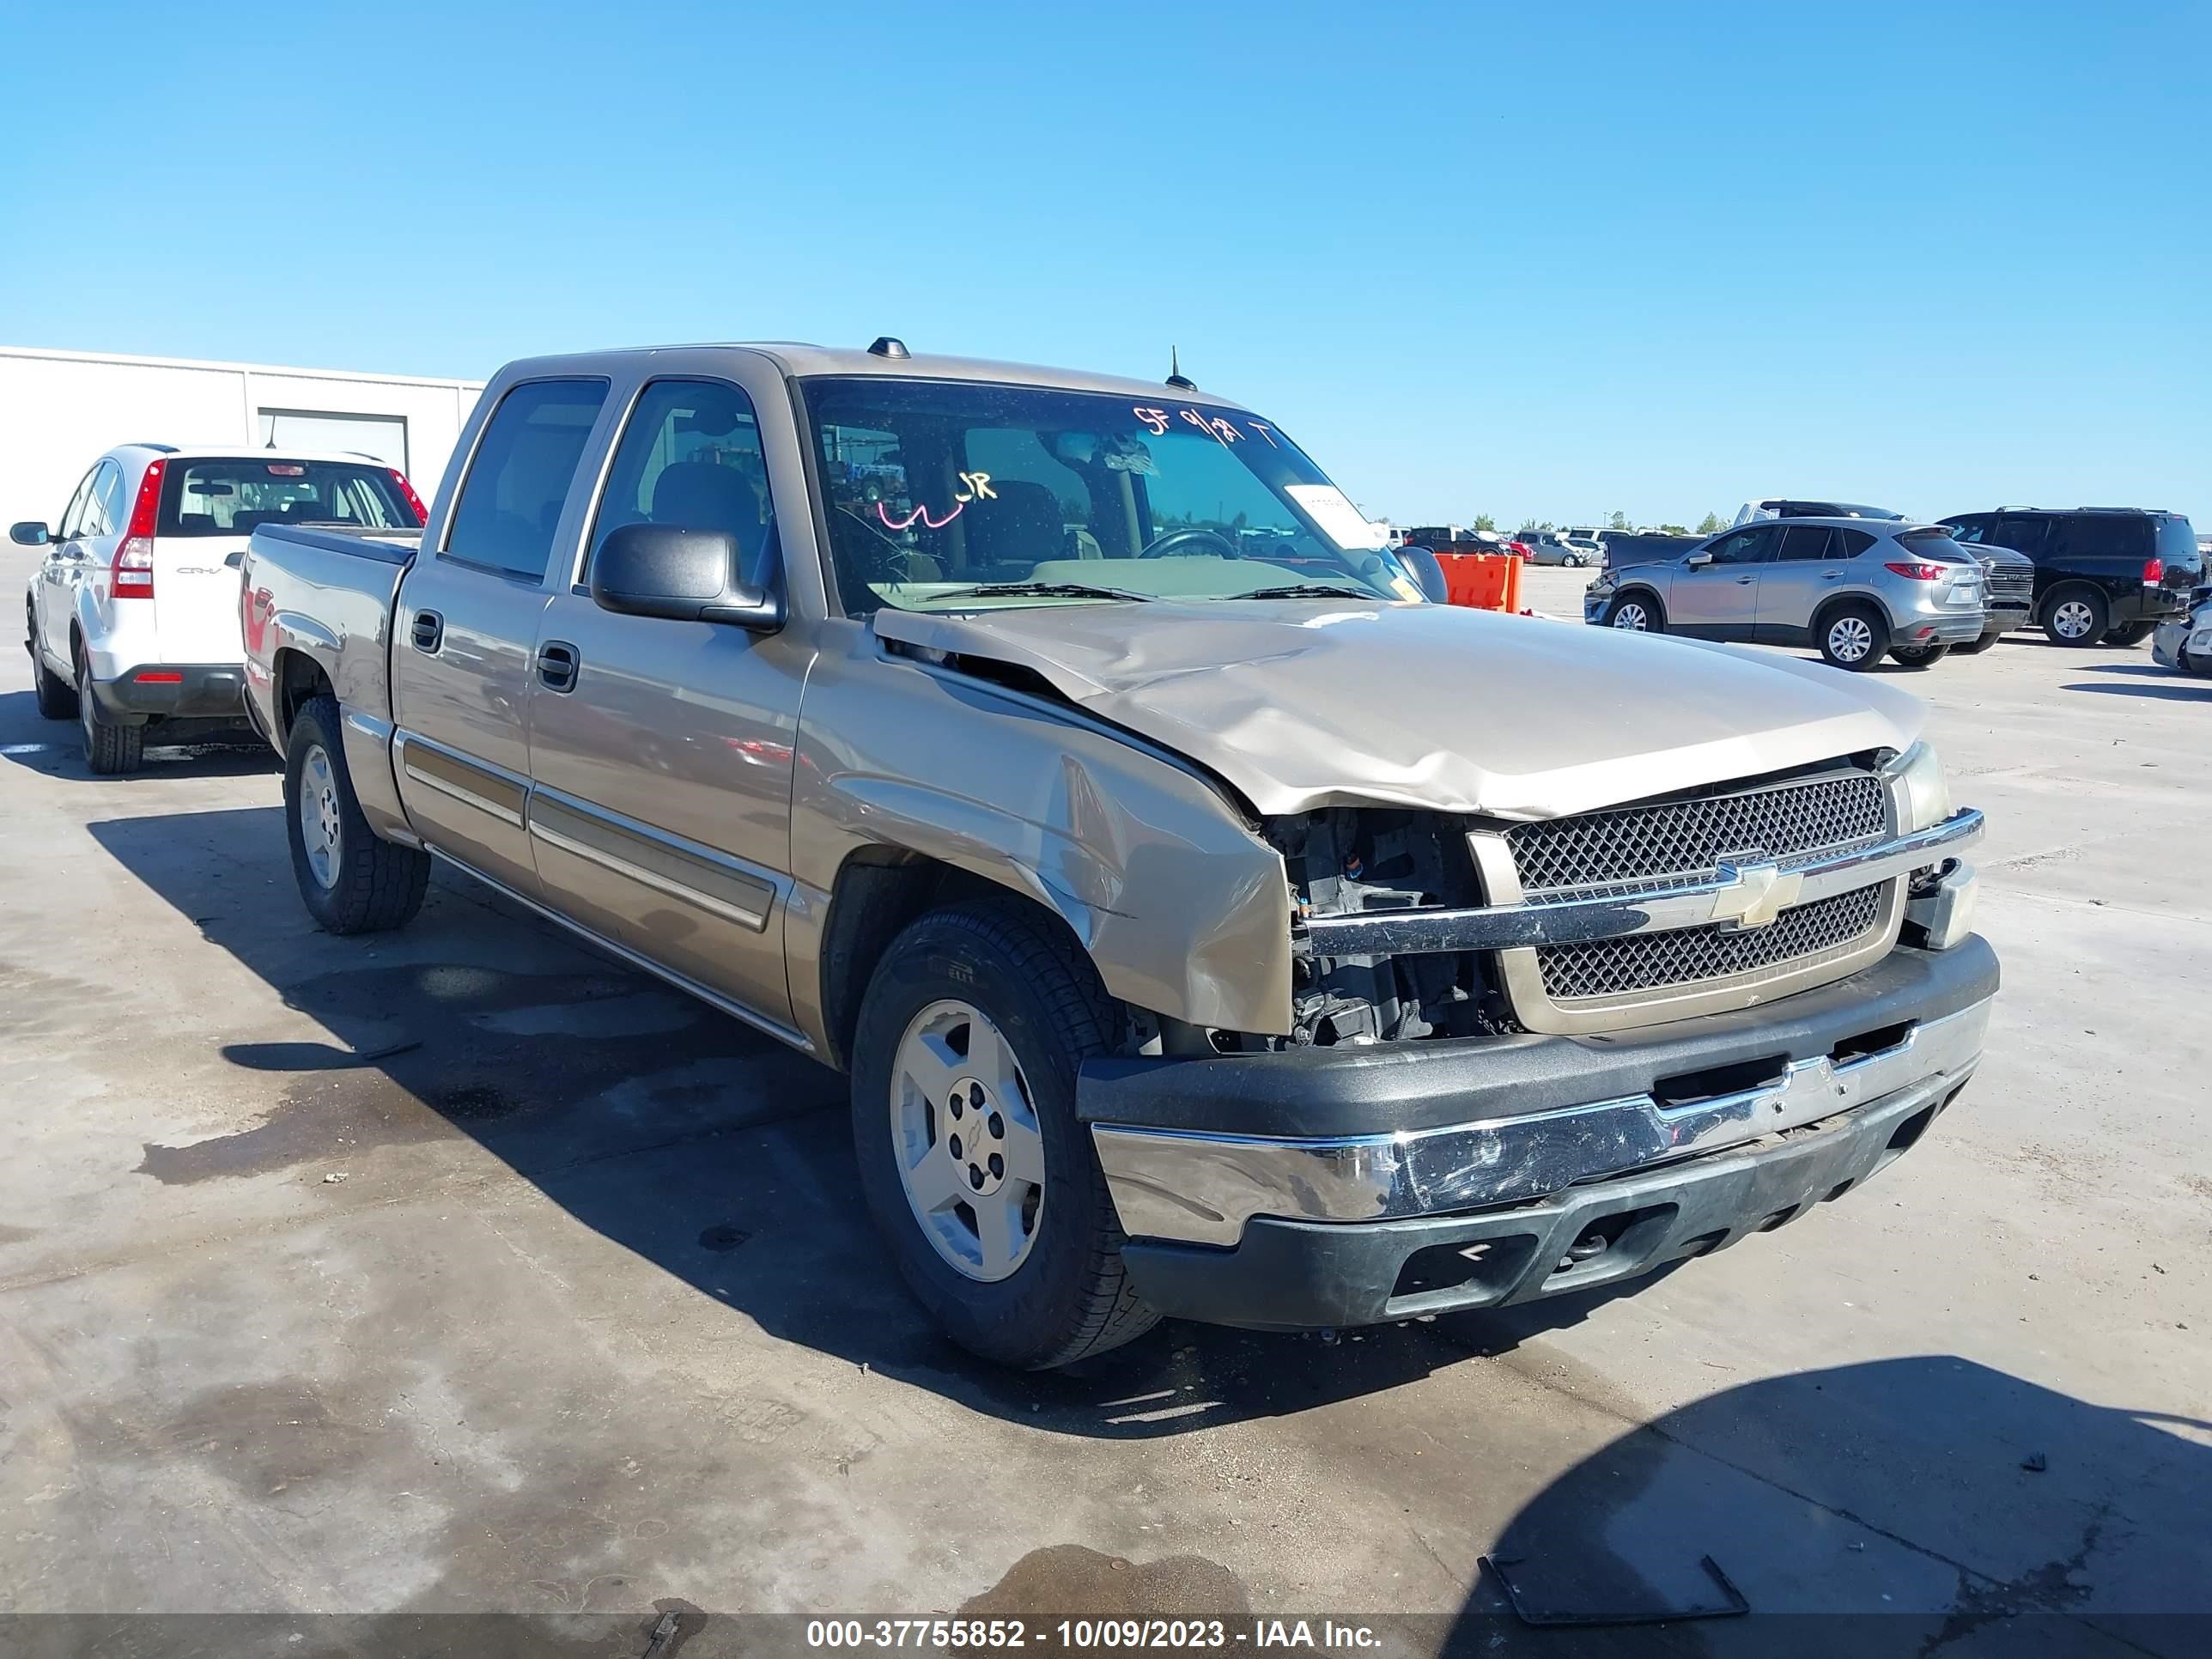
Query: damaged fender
(1182, 909)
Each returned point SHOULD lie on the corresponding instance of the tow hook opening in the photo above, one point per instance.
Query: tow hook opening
(1621, 1240)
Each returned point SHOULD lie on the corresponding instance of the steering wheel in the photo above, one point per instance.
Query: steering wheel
(1160, 546)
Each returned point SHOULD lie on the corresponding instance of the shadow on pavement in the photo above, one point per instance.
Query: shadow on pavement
(56, 749)
(713, 1152)
(1917, 1505)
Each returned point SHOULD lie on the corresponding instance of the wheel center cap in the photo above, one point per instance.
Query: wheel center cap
(975, 1138)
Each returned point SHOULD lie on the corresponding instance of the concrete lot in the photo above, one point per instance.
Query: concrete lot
(463, 1269)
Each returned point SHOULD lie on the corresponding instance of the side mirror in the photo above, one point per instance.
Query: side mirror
(1428, 571)
(679, 575)
(1698, 561)
(29, 532)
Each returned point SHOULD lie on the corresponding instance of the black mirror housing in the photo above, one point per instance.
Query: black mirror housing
(29, 532)
(679, 575)
(1429, 571)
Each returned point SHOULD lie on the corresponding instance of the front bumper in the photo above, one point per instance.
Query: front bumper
(175, 691)
(1297, 1189)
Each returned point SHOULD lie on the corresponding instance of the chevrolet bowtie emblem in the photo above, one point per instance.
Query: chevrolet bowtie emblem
(1757, 893)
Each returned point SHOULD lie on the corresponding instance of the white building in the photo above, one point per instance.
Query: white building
(60, 409)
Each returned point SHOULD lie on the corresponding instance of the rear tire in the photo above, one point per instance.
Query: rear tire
(1975, 647)
(2128, 634)
(1636, 613)
(2077, 616)
(1918, 656)
(352, 881)
(1853, 636)
(56, 696)
(1043, 1286)
(110, 749)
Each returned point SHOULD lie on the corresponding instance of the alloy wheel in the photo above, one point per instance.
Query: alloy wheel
(322, 835)
(1849, 639)
(1632, 616)
(964, 1136)
(2072, 619)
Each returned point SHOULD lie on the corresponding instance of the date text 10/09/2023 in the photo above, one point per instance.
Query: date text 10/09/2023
(950, 1635)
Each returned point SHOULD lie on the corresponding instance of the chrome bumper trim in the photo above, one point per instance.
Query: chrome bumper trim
(1748, 895)
(1203, 1189)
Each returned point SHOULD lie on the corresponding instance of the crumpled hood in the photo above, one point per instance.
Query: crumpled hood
(1308, 703)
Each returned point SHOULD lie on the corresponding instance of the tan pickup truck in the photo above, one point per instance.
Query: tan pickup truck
(1211, 926)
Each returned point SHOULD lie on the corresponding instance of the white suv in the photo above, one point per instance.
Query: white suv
(132, 619)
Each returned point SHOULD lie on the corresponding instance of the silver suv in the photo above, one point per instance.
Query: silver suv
(1852, 589)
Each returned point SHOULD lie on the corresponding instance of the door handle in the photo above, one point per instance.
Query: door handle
(1743, 581)
(428, 632)
(1831, 575)
(558, 665)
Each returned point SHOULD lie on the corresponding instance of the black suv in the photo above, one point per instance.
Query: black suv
(2103, 575)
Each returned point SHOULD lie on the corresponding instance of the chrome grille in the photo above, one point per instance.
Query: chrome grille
(1692, 837)
(2008, 584)
(1646, 961)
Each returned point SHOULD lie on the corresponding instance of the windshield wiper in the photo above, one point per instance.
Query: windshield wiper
(1042, 590)
(1306, 591)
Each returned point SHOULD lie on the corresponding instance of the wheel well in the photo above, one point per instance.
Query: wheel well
(2059, 590)
(1638, 590)
(877, 892)
(298, 679)
(1828, 608)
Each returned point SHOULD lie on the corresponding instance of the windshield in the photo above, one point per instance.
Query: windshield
(938, 493)
(230, 497)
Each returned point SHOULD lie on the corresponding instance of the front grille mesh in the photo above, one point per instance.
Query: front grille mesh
(2010, 583)
(1691, 838)
(1647, 962)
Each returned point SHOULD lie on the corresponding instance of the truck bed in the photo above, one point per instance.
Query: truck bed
(325, 594)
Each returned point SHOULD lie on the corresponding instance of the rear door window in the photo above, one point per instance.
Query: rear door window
(232, 496)
(690, 458)
(1808, 542)
(519, 480)
(104, 513)
(1853, 542)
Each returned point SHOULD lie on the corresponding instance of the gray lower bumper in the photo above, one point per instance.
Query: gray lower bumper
(1205, 1188)
(1301, 1275)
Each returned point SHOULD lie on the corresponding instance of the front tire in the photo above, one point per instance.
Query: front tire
(1918, 656)
(1854, 637)
(110, 749)
(2130, 633)
(980, 1177)
(352, 881)
(2076, 616)
(1636, 613)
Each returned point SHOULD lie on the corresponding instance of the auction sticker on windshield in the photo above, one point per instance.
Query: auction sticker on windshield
(1329, 508)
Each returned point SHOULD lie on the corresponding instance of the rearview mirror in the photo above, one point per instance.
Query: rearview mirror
(29, 532)
(1698, 561)
(679, 575)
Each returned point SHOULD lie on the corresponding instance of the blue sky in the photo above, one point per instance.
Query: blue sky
(1540, 260)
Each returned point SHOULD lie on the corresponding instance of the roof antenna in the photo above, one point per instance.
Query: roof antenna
(1176, 376)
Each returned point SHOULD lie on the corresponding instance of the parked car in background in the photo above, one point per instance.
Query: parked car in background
(2185, 642)
(2103, 575)
(1193, 950)
(2008, 579)
(1853, 589)
(132, 619)
(1550, 547)
(1457, 539)
(1780, 507)
(1588, 539)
